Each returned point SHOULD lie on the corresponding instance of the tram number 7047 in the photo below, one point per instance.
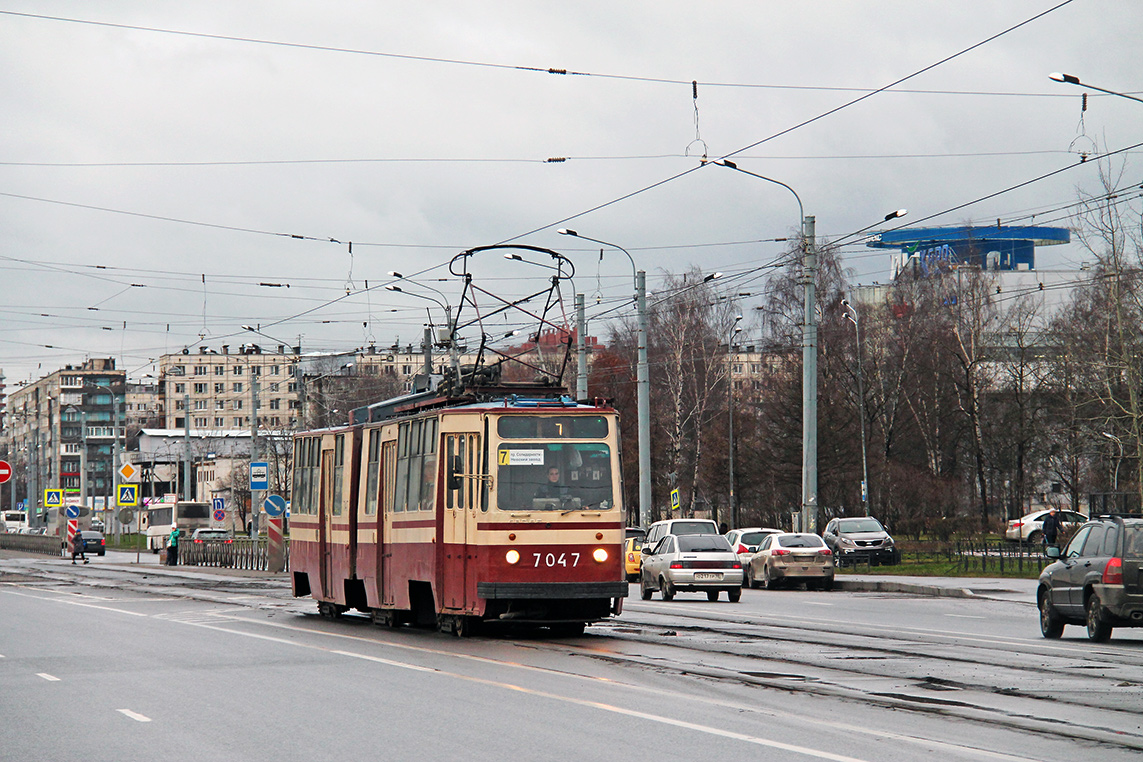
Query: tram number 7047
(551, 559)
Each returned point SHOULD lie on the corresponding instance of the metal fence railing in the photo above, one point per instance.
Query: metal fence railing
(998, 556)
(31, 543)
(233, 553)
(238, 553)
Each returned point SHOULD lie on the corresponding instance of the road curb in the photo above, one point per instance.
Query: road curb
(894, 586)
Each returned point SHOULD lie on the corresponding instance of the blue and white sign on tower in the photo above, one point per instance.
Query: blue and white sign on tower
(259, 475)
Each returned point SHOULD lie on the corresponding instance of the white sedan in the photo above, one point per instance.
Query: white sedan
(1030, 527)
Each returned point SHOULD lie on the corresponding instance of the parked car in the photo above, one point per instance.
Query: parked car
(746, 541)
(661, 529)
(860, 538)
(1096, 580)
(632, 557)
(93, 542)
(791, 557)
(1029, 528)
(211, 547)
(691, 563)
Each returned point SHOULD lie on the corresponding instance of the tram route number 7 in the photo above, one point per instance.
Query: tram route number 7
(551, 559)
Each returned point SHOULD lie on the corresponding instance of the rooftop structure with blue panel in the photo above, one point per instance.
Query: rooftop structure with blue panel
(929, 250)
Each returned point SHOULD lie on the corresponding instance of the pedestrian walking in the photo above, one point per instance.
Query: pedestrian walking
(173, 547)
(77, 549)
(1051, 527)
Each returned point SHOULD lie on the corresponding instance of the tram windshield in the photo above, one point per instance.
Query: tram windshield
(554, 476)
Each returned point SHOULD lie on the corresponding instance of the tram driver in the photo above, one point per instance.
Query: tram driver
(552, 487)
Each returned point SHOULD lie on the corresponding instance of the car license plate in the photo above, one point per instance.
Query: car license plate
(804, 559)
(708, 575)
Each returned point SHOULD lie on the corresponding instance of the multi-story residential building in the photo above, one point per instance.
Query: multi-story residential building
(66, 417)
(217, 388)
(142, 408)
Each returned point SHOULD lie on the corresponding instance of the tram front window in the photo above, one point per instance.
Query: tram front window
(561, 476)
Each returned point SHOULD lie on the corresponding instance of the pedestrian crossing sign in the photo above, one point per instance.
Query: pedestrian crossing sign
(53, 498)
(127, 494)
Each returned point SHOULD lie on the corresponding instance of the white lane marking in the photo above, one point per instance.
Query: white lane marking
(965, 616)
(49, 678)
(833, 724)
(134, 715)
(75, 603)
(815, 603)
(756, 740)
(928, 743)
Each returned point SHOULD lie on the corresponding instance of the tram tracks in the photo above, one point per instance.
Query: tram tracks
(993, 681)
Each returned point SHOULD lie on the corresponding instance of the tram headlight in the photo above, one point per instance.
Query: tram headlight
(512, 556)
(600, 555)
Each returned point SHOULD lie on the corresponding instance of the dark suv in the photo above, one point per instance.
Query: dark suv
(1096, 580)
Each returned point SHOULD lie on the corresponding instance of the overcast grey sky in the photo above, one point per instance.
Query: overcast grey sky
(157, 157)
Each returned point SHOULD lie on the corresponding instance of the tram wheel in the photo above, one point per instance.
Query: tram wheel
(329, 610)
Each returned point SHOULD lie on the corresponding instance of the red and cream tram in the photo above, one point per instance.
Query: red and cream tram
(445, 513)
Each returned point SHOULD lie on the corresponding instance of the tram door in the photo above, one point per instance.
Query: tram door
(325, 523)
(459, 517)
(385, 535)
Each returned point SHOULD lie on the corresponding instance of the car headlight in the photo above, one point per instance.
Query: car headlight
(845, 542)
(889, 542)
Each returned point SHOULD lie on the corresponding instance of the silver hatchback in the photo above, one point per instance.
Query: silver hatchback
(691, 563)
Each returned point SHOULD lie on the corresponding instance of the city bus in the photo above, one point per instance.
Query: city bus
(13, 521)
(158, 519)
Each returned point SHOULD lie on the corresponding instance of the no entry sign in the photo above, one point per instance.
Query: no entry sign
(5, 471)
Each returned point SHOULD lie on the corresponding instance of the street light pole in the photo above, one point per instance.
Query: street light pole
(851, 314)
(809, 515)
(1072, 80)
(642, 380)
(448, 339)
(734, 330)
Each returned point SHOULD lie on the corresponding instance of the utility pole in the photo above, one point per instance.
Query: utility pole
(186, 449)
(581, 349)
(254, 452)
(809, 382)
(643, 392)
(116, 455)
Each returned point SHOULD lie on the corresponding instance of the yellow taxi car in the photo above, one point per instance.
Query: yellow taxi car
(632, 557)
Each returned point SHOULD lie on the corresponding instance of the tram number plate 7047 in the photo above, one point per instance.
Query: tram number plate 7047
(555, 559)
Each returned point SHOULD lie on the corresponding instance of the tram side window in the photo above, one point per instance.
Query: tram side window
(315, 473)
(374, 468)
(402, 491)
(338, 472)
(413, 465)
(428, 468)
(299, 502)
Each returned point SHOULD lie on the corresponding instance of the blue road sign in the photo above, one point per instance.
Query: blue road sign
(274, 505)
(127, 494)
(73, 511)
(217, 504)
(259, 475)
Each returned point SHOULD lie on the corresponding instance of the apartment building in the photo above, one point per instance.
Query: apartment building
(57, 421)
(217, 388)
